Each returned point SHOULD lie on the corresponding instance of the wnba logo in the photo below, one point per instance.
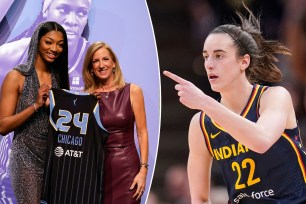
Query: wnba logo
(58, 151)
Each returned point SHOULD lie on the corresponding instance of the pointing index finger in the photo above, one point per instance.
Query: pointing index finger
(174, 77)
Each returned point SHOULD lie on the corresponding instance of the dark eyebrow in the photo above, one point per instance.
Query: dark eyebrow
(219, 50)
(53, 39)
(66, 5)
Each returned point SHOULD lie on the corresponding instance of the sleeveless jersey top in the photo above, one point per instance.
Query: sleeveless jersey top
(277, 176)
(74, 168)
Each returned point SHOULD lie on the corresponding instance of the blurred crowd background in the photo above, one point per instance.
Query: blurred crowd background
(180, 28)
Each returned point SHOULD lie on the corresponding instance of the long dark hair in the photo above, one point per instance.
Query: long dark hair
(60, 65)
(248, 39)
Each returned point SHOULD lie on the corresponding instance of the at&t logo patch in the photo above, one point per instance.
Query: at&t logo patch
(58, 151)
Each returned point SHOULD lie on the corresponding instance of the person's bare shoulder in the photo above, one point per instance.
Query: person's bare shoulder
(135, 89)
(277, 94)
(13, 76)
(277, 98)
(13, 80)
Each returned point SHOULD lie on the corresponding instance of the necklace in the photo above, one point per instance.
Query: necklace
(106, 90)
(106, 94)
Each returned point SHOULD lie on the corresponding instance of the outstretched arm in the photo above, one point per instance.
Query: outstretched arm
(199, 164)
(276, 114)
(138, 106)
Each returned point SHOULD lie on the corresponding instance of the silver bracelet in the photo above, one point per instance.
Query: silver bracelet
(146, 165)
(35, 108)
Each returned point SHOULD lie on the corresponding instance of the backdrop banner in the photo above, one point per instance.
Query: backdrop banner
(125, 25)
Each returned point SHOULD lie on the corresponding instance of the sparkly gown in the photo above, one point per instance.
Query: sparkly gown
(121, 158)
(29, 145)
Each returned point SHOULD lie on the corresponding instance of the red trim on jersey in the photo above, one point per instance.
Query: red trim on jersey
(250, 102)
(206, 136)
(258, 103)
(298, 155)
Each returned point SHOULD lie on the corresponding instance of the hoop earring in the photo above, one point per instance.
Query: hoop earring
(114, 70)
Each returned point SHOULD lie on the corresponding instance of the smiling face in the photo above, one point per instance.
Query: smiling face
(72, 16)
(103, 65)
(222, 64)
(51, 46)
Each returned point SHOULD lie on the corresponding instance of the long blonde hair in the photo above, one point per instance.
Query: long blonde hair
(90, 81)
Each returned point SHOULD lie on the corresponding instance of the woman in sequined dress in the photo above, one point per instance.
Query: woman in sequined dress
(23, 107)
(121, 107)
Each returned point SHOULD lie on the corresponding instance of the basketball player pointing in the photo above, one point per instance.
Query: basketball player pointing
(252, 132)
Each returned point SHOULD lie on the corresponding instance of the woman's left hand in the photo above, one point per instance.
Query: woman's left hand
(47, 103)
(96, 94)
(140, 181)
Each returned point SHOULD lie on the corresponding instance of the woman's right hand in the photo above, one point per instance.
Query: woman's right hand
(43, 95)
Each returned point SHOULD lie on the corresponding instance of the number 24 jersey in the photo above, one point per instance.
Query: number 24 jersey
(75, 150)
